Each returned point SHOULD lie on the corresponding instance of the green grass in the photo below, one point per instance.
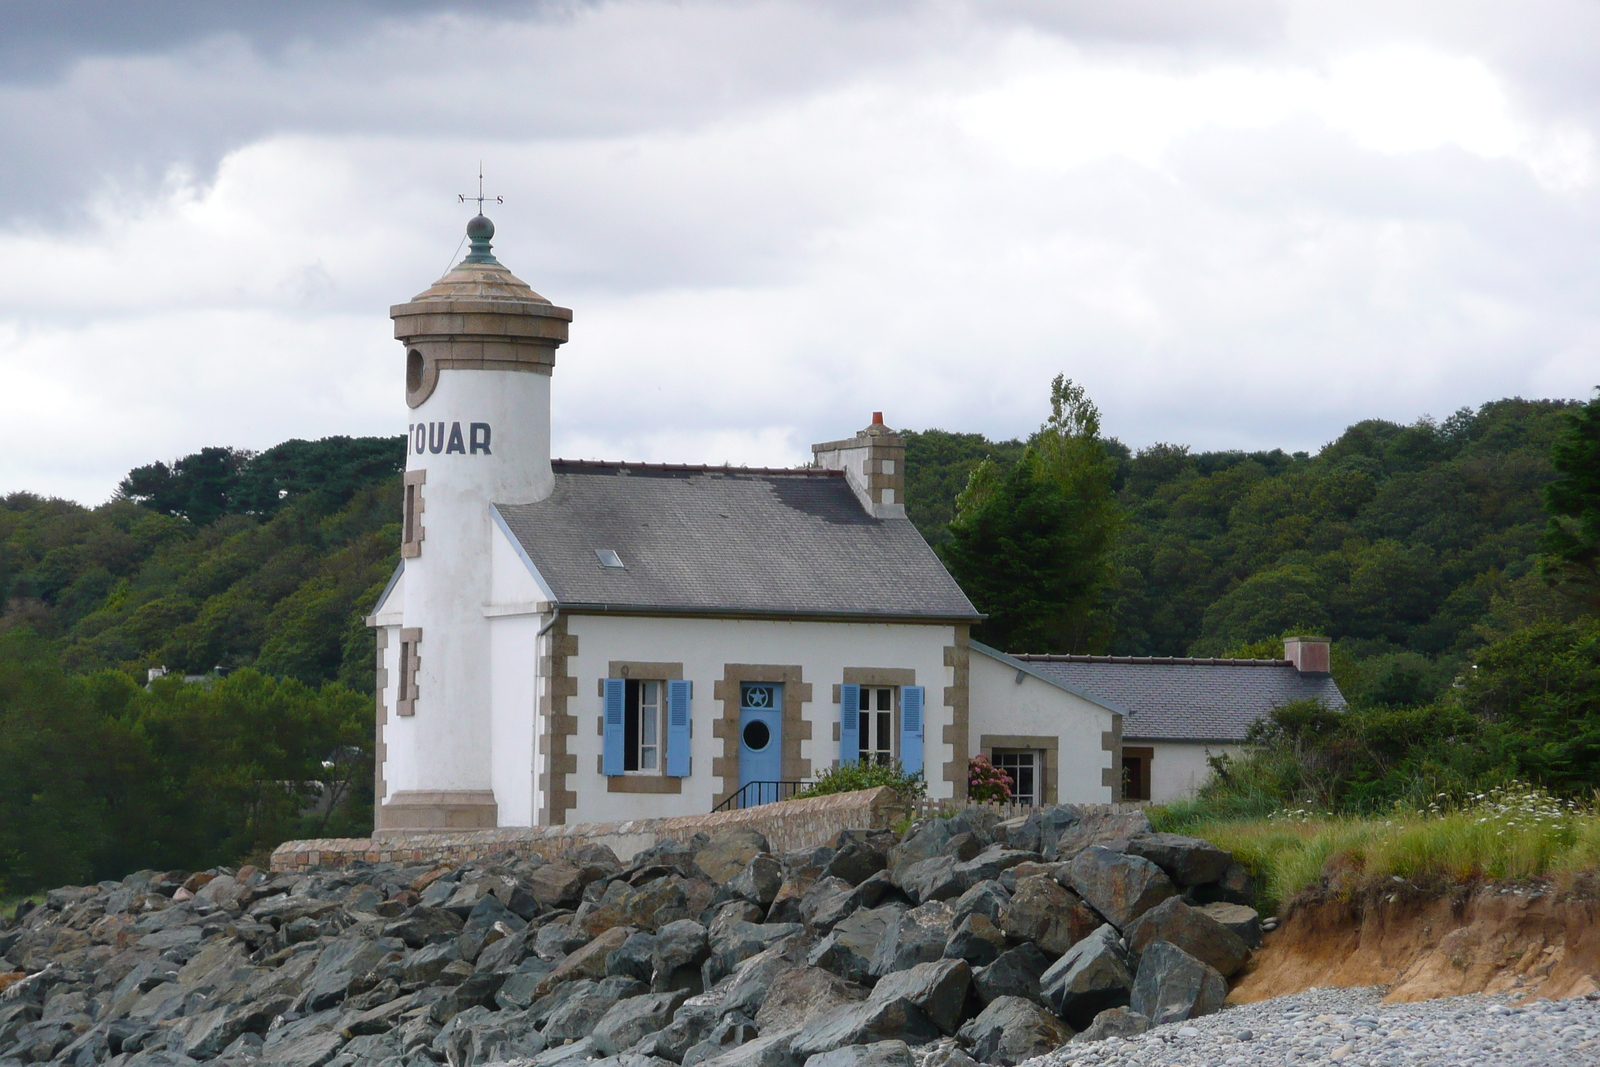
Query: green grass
(1506, 835)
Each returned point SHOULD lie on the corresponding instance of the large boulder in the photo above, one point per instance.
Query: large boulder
(737, 942)
(1095, 974)
(556, 885)
(753, 982)
(865, 1023)
(829, 910)
(1172, 985)
(680, 947)
(859, 855)
(849, 949)
(976, 940)
(1097, 828)
(935, 878)
(1186, 860)
(729, 852)
(922, 842)
(635, 957)
(760, 880)
(1118, 886)
(913, 937)
(988, 898)
(1011, 1030)
(797, 996)
(421, 926)
(487, 922)
(1015, 973)
(345, 959)
(577, 1017)
(939, 989)
(588, 961)
(1242, 920)
(1052, 917)
(1114, 1022)
(990, 863)
(690, 1025)
(628, 1021)
(769, 1050)
(1194, 931)
(877, 1054)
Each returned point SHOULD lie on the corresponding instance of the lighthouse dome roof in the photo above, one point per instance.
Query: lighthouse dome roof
(480, 276)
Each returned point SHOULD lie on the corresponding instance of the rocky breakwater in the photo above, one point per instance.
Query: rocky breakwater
(966, 940)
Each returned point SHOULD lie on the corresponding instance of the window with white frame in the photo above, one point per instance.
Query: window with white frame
(1023, 767)
(642, 726)
(877, 724)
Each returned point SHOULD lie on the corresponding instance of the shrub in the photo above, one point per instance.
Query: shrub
(987, 783)
(853, 776)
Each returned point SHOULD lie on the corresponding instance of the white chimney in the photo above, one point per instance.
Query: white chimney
(1310, 655)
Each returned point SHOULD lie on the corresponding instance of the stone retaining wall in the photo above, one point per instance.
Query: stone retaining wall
(788, 825)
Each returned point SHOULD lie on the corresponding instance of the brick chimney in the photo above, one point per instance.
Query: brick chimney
(1310, 655)
(874, 463)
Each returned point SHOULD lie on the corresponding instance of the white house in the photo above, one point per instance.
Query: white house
(575, 641)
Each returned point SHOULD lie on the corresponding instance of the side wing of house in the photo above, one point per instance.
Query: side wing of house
(1058, 744)
(520, 605)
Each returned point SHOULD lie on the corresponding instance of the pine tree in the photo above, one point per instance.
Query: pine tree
(1031, 545)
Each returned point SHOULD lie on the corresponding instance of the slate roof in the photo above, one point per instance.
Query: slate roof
(728, 540)
(1172, 699)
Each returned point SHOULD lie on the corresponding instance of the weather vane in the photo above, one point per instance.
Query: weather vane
(480, 198)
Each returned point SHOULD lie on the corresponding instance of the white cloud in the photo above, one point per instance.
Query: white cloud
(773, 219)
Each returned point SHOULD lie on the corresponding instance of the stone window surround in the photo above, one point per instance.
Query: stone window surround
(412, 532)
(656, 781)
(411, 662)
(796, 727)
(878, 678)
(1050, 766)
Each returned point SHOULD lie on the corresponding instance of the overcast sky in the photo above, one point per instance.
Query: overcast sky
(1240, 223)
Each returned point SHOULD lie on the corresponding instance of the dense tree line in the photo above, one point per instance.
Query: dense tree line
(1412, 546)
(1453, 563)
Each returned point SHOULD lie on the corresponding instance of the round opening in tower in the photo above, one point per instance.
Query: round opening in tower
(413, 371)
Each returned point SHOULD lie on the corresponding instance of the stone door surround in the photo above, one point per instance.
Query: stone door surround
(796, 728)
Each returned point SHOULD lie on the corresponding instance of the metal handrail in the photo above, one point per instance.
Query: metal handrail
(752, 794)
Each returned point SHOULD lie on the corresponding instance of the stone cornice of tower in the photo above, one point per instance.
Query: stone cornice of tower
(479, 316)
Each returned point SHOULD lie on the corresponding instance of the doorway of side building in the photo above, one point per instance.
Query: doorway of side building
(1136, 773)
(760, 741)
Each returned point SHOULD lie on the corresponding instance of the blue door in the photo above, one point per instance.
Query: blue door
(760, 741)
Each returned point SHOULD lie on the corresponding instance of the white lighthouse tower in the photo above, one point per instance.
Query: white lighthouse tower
(480, 347)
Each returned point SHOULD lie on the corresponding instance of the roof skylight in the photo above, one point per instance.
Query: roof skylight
(608, 558)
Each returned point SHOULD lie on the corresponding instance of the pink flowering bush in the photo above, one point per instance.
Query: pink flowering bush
(986, 782)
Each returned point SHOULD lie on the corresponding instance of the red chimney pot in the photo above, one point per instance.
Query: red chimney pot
(877, 418)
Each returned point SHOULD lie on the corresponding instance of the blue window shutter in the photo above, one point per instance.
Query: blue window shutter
(911, 728)
(616, 698)
(678, 729)
(849, 724)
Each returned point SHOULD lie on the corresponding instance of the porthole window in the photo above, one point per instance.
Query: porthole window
(413, 371)
(756, 735)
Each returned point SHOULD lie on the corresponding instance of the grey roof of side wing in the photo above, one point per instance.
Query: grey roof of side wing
(1194, 700)
(699, 540)
(1030, 669)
